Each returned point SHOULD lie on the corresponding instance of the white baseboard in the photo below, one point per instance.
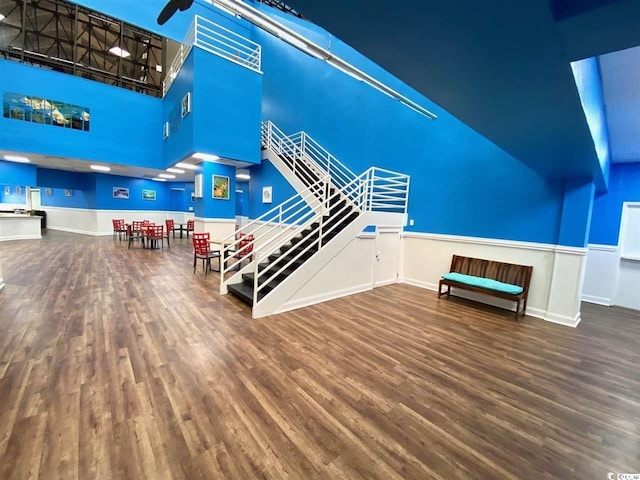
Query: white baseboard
(597, 300)
(384, 283)
(563, 319)
(324, 297)
(79, 232)
(21, 237)
(419, 283)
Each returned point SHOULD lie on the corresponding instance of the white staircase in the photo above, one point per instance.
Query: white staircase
(295, 240)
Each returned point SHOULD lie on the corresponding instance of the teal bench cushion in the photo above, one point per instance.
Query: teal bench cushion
(483, 283)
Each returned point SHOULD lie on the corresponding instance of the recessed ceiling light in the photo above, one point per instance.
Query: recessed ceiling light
(100, 168)
(159, 179)
(2, 17)
(188, 166)
(166, 175)
(243, 176)
(206, 157)
(175, 170)
(15, 158)
(159, 68)
(119, 52)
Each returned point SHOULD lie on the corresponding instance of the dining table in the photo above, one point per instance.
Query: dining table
(220, 245)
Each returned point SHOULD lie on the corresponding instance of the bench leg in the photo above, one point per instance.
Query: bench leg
(440, 289)
(517, 310)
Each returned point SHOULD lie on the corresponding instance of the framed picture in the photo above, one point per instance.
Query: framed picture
(267, 194)
(18, 191)
(68, 193)
(221, 187)
(121, 192)
(148, 194)
(193, 196)
(48, 192)
(186, 104)
(7, 190)
(165, 130)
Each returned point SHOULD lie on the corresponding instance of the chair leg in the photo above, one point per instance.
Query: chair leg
(195, 261)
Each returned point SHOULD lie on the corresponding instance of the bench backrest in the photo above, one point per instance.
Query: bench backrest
(502, 272)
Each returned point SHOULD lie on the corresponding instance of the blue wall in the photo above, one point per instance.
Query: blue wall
(209, 207)
(227, 108)
(179, 144)
(265, 175)
(624, 186)
(125, 126)
(13, 197)
(589, 83)
(461, 183)
(12, 173)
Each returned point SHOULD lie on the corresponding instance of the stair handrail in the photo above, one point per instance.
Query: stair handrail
(356, 185)
(298, 210)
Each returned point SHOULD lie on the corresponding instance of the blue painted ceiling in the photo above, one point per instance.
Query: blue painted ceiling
(501, 67)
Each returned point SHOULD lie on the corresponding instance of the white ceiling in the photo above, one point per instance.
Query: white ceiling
(75, 165)
(621, 84)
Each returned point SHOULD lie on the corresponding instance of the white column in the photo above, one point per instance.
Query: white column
(567, 280)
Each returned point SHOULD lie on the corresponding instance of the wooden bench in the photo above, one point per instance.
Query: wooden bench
(508, 273)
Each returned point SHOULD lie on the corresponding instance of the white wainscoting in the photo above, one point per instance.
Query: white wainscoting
(601, 277)
(98, 222)
(218, 228)
(350, 272)
(555, 290)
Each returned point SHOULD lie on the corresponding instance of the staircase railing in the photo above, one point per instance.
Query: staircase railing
(275, 227)
(314, 240)
(216, 39)
(375, 190)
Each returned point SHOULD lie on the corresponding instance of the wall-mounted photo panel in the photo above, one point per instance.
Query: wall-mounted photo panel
(186, 104)
(148, 194)
(267, 194)
(121, 192)
(68, 193)
(48, 192)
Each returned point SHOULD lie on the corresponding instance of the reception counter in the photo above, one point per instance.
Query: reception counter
(19, 227)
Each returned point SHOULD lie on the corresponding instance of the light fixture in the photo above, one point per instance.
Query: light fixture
(17, 159)
(175, 170)
(159, 179)
(2, 17)
(166, 175)
(159, 68)
(100, 168)
(243, 176)
(272, 26)
(206, 157)
(188, 166)
(119, 52)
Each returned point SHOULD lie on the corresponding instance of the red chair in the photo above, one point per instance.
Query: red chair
(190, 226)
(171, 227)
(245, 247)
(201, 251)
(135, 233)
(119, 228)
(155, 233)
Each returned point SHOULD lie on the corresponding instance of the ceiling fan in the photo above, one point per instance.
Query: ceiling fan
(172, 7)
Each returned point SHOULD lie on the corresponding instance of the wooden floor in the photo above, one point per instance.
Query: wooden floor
(119, 363)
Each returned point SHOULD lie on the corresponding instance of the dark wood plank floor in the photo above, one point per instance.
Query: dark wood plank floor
(119, 363)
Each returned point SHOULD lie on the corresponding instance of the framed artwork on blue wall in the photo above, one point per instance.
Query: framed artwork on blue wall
(221, 187)
(48, 192)
(148, 194)
(7, 190)
(186, 104)
(121, 192)
(18, 191)
(68, 192)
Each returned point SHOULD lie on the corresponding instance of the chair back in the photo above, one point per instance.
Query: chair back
(245, 246)
(155, 231)
(201, 243)
(170, 224)
(190, 225)
(136, 226)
